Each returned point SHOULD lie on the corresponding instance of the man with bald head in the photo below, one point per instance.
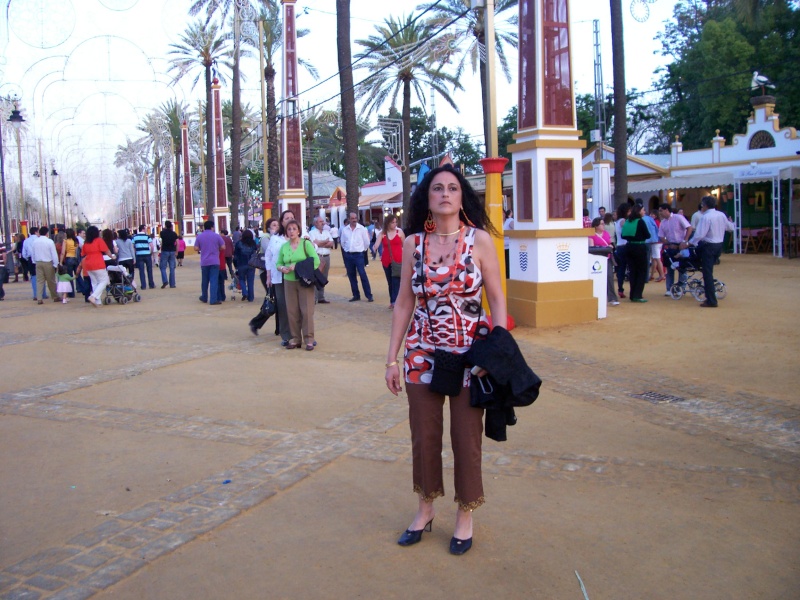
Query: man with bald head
(355, 242)
(323, 243)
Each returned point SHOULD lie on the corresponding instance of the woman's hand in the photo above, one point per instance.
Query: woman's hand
(393, 379)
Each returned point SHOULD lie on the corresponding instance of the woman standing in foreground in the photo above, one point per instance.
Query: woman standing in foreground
(448, 258)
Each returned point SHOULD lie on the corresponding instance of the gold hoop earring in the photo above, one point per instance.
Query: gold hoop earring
(466, 218)
(430, 224)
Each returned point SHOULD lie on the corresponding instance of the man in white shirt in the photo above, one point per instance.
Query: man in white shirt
(696, 216)
(708, 238)
(27, 254)
(43, 253)
(323, 243)
(355, 241)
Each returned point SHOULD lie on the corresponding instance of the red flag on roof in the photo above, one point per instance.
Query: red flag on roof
(446, 160)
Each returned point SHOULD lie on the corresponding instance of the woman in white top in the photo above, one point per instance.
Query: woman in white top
(508, 225)
(620, 253)
(275, 277)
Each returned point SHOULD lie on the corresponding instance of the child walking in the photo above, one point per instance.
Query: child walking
(64, 284)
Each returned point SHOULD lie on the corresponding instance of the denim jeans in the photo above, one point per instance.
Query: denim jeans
(670, 254)
(209, 284)
(247, 277)
(354, 263)
(72, 265)
(145, 261)
(167, 258)
(393, 282)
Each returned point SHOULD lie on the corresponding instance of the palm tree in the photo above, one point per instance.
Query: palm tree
(469, 36)
(156, 143)
(273, 42)
(620, 135)
(132, 158)
(348, 103)
(748, 11)
(314, 122)
(399, 59)
(202, 45)
(224, 8)
(330, 144)
(173, 113)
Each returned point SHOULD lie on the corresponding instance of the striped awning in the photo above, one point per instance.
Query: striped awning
(706, 180)
(379, 199)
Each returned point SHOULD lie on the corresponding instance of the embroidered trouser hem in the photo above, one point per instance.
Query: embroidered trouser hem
(426, 419)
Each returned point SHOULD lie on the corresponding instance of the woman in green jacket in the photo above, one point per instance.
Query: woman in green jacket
(299, 299)
(637, 253)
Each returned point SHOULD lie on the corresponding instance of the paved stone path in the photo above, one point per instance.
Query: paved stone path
(95, 559)
(106, 554)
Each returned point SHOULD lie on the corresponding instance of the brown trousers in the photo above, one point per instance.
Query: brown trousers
(300, 311)
(425, 414)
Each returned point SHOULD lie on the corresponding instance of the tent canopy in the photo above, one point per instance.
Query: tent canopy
(378, 199)
(706, 180)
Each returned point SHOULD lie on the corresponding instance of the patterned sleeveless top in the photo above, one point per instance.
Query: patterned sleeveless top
(453, 297)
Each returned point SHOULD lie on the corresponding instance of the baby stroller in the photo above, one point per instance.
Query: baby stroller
(687, 263)
(234, 286)
(121, 286)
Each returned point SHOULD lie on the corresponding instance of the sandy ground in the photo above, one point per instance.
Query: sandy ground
(159, 450)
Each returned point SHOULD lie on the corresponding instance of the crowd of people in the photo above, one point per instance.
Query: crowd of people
(74, 261)
(644, 247)
(437, 272)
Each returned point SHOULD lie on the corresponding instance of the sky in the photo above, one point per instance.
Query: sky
(86, 72)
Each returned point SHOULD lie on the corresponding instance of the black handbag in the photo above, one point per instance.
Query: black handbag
(256, 261)
(268, 307)
(448, 373)
(448, 368)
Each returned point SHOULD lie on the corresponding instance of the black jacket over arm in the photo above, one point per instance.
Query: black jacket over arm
(510, 381)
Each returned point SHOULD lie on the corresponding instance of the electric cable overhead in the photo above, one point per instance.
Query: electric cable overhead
(386, 41)
(399, 58)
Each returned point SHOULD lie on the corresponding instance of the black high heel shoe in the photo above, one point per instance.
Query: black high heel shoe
(409, 537)
(459, 547)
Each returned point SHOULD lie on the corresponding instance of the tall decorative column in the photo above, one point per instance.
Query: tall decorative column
(548, 249)
(292, 195)
(187, 227)
(222, 212)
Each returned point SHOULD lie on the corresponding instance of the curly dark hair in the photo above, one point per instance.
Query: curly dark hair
(471, 204)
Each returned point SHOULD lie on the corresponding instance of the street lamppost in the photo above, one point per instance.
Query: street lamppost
(53, 176)
(46, 195)
(16, 120)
